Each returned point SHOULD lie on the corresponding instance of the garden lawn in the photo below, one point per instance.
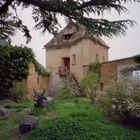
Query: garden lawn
(78, 119)
(10, 123)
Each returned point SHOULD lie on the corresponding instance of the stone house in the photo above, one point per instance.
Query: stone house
(73, 48)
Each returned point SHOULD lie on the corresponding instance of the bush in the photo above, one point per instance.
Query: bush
(14, 67)
(90, 83)
(38, 111)
(66, 91)
(94, 66)
(18, 92)
(121, 102)
(41, 69)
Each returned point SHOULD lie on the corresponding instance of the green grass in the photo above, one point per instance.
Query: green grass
(77, 119)
(69, 119)
(21, 105)
(7, 124)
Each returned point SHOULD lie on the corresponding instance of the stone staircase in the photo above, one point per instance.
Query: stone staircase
(72, 80)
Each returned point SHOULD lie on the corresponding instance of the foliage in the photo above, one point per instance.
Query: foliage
(133, 108)
(14, 66)
(8, 25)
(40, 69)
(121, 103)
(22, 105)
(8, 126)
(113, 101)
(38, 111)
(66, 91)
(90, 83)
(18, 92)
(78, 116)
(45, 15)
(94, 66)
(79, 123)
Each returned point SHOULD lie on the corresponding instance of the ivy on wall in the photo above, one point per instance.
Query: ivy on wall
(14, 66)
(94, 67)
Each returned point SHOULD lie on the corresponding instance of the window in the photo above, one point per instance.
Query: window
(67, 36)
(97, 57)
(103, 58)
(73, 59)
(136, 76)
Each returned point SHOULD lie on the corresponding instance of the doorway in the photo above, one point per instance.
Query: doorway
(66, 62)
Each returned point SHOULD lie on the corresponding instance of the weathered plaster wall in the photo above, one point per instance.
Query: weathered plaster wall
(109, 70)
(85, 51)
(114, 69)
(54, 58)
(35, 81)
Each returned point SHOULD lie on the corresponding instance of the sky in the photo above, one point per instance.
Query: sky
(120, 47)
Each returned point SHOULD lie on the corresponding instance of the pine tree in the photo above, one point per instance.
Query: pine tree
(45, 14)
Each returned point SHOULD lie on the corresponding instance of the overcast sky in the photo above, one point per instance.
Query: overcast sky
(120, 47)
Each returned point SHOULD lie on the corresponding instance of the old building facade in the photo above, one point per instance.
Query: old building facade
(73, 48)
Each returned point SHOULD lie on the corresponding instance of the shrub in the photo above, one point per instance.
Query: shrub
(90, 83)
(121, 102)
(40, 69)
(94, 66)
(18, 92)
(38, 111)
(113, 101)
(66, 91)
(14, 67)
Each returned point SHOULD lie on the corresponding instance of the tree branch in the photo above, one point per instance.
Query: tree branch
(5, 6)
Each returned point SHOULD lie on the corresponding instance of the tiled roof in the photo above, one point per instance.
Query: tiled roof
(74, 33)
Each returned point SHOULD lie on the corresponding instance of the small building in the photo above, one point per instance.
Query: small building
(73, 48)
(121, 68)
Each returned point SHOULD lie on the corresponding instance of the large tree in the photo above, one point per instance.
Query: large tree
(45, 14)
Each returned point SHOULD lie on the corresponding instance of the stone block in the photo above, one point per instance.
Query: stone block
(29, 123)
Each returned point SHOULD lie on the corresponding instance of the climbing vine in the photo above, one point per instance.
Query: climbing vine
(94, 67)
(14, 66)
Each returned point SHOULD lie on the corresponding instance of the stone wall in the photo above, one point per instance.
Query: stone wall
(112, 69)
(54, 58)
(35, 81)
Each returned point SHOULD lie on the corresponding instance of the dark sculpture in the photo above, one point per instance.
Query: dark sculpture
(41, 100)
